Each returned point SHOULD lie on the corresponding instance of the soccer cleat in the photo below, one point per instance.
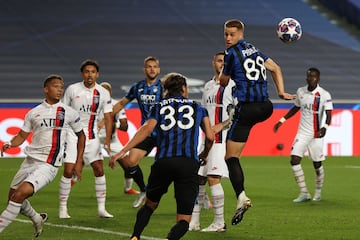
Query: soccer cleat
(63, 213)
(215, 227)
(38, 223)
(207, 202)
(139, 200)
(303, 197)
(317, 197)
(105, 214)
(131, 191)
(194, 227)
(239, 214)
(134, 238)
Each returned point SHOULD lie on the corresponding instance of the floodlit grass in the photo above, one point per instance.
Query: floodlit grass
(269, 184)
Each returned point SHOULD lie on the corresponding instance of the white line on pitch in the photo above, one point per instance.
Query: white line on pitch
(352, 166)
(89, 229)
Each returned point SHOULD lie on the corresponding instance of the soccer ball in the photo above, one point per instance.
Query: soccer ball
(289, 30)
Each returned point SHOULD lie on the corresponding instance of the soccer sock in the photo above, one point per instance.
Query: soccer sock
(319, 179)
(27, 209)
(178, 230)
(128, 183)
(142, 219)
(300, 178)
(64, 191)
(100, 189)
(217, 194)
(236, 175)
(137, 174)
(195, 217)
(9, 214)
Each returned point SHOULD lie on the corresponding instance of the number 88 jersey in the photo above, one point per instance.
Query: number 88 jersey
(245, 64)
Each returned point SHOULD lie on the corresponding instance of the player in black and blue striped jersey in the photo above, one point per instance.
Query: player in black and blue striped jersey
(177, 121)
(147, 92)
(247, 66)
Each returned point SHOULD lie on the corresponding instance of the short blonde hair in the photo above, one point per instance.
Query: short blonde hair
(234, 23)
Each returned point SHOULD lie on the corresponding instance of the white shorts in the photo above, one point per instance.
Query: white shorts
(314, 146)
(216, 164)
(38, 173)
(92, 150)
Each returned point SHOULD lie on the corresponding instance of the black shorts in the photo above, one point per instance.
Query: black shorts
(147, 145)
(246, 116)
(183, 172)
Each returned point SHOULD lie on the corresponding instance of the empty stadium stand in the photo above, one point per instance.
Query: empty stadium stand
(43, 37)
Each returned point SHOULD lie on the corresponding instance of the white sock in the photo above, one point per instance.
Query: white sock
(217, 195)
(64, 191)
(9, 214)
(319, 179)
(195, 217)
(300, 178)
(28, 210)
(128, 183)
(100, 189)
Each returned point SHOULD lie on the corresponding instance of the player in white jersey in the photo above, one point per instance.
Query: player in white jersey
(120, 122)
(315, 103)
(216, 99)
(89, 99)
(49, 122)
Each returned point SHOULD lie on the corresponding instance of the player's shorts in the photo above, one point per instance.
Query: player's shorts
(92, 150)
(246, 116)
(38, 173)
(314, 146)
(216, 164)
(147, 145)
(183, 172)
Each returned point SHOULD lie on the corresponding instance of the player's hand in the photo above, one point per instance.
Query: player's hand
(4, 147)
(287, 96)
(113, 158)
(78, 171)
(276, 126)
(321, 133)
(203, 159)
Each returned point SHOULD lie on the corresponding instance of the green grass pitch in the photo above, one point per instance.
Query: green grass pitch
(269, 183)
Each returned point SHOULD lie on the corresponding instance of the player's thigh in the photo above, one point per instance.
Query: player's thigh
(39, 174)
(216, 164)
(92, 151)
(316, 149)
(300, 145)
(70, 149)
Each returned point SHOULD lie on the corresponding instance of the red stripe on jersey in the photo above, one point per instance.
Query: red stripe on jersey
(56, 135)
(316, 120)
(94, 107)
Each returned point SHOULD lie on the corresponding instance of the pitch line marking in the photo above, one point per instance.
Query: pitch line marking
(90, 229)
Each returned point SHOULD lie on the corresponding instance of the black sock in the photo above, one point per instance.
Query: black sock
(236, 174)
(137, 174)
(178, 230)
(142, 219)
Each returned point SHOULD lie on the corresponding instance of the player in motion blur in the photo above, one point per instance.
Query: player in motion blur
(88, 98)
(147, 92)
(176, 119)
(49, 122)
(120, 122)
(247, 66)
(315, 103)
(216, 99)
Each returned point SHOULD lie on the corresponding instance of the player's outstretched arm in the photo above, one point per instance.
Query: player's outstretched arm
(16, 141)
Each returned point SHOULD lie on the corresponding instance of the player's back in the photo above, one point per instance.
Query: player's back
(178, 125)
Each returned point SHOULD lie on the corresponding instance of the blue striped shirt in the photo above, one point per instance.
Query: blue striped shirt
(178, 126)
(245, 64)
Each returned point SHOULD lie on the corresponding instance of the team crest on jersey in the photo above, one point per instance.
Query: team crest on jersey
(60, 115)
(155, 89)
(96, 99)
